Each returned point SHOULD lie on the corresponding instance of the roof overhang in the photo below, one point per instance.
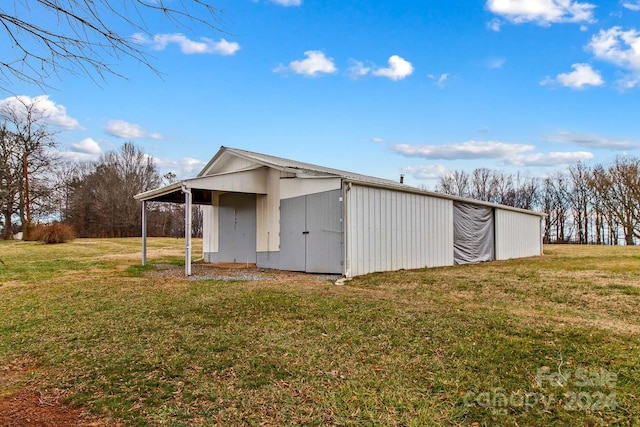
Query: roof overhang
(249, 181)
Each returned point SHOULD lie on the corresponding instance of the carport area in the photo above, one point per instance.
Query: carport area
(236, 193)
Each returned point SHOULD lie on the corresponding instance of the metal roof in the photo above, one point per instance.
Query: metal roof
(296, 166)
(302, 168)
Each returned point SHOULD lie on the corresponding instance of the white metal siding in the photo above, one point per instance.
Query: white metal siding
(268, 214)
(232, 163)
(210, 225)
(252, 181)
(391, 230)
(295, 187)
(517, 234)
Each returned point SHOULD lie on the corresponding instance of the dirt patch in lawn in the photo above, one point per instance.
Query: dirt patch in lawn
(43, 410)
(20, 406)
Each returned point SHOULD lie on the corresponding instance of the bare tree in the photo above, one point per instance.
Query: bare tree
(455, 183)
(547, 200)
(60, 177)
(525, 191)
(554, 205)
(483, 184)
(579, 199)
(10, 177)
(101, 202)
(166, 219)
(606, 227)
(503, 188)
(617, 189)
(85, 36)
(30, 155)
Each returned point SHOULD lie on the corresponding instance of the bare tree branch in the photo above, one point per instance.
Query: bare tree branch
(86, 37)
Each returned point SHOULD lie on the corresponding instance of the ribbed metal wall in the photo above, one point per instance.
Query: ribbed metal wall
(209, 218)
(517, 234)
(390, 230)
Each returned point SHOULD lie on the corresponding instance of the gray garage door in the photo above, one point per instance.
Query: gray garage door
(237, 228)
(311, 233)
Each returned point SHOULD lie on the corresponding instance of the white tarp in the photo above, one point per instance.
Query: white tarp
(473, 233)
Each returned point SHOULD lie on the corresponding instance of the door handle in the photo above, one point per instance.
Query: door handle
(305, 232)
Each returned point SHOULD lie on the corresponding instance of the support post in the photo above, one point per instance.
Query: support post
(187, 230)
(144, 233)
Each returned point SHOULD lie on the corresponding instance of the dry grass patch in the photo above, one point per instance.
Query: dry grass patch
(147, 346)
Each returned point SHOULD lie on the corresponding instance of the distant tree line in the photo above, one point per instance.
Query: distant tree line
(96, 198)
(586, 204)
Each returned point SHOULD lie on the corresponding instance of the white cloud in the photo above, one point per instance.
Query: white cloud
(224, 47)
(463, 150)
(187, 46)
(440, 80)
(581, 76)
(548, 81)
(433, 171)
(495, 63)
(126, 130)
(516, 155)
(75, 157)
(398, 69)
(43, 108)
(628, 82)
(632, 5)
(542, 12)
(549, 159)
(357, 69)
(621, 48)
(591, 141)
(494, 25)
(183, 168)
(617, 46)
(378, 140)
(315, 63)
(287, 2)
(87, 146)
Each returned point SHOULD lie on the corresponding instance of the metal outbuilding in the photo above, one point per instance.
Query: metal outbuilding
(289, 215)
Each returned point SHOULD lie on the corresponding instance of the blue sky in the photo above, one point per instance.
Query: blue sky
(375, 87)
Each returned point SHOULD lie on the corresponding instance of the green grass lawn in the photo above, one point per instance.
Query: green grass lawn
(553, 340)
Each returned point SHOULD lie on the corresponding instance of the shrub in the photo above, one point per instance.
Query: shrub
(57, 233)
(35, 232)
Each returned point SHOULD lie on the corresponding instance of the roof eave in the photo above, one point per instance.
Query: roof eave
(157, 192)
(414, 190)
(237, 153)
(222, 150)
